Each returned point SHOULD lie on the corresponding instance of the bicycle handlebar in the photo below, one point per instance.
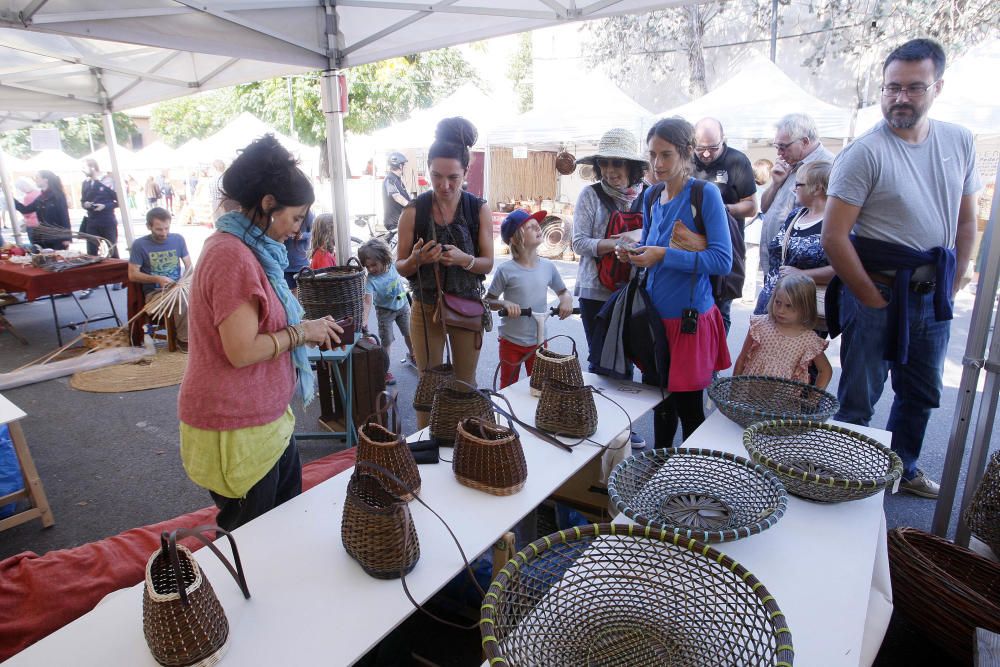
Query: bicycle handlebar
(526, 312)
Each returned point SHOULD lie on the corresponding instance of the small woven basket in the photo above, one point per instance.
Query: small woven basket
(947, 591)
(453, 403)
(549, 364)
(983, 515)
(631, 596)
(377, 530)
(337, 291)
(489, 457)
(565, 409)
(703, 494)
(823, 462)
(431, 379)
(100, 339)
(379, 445)
(754, 398)
(182, 619)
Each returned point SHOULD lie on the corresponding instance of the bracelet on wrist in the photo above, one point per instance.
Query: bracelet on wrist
(472, 263)
(275, 344)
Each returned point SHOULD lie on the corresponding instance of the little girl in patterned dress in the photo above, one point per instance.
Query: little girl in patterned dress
(783, 343)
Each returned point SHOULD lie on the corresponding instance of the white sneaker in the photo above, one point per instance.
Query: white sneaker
(921, 485)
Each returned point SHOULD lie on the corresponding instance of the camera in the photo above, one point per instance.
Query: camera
(689, 321)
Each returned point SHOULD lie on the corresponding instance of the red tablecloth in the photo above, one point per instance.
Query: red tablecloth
(36, 283)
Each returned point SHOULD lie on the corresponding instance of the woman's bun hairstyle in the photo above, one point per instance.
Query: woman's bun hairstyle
(452, 139)
(265, 167)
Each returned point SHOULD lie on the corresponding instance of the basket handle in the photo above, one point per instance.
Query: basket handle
(168, 542)
(534, 430)
(517, 364)
(601, 393)
(305, 272)
(385, 405)
(357, 263)
(545, 343)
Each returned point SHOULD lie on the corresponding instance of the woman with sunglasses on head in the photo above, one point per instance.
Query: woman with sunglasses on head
(618, 169)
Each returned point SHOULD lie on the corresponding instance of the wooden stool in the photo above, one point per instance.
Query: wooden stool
(33, 490)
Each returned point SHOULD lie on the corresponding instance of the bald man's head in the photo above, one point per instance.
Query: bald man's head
(708, 139)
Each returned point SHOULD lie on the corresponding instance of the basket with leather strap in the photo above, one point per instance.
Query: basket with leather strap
(337, 291)
(489, 457)
(945, 590)
(182, 619)
(983, 515)
(565, 409)
(453, 403)
(380, 442)
(707, 495)
(755, 398)
(377, 530)
(823, 462)
(631, 596)
(549, 364)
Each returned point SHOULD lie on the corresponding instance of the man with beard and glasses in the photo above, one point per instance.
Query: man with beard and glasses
(901, 216)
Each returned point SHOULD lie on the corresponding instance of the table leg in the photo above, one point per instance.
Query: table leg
(325, 398)
(350, 434)
(55, 318)
(112, 304)
(32, 482)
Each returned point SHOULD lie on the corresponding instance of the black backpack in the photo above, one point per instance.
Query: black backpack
(727, 287)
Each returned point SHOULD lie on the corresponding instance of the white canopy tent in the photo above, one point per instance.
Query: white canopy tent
(418, 130)
(756, 97)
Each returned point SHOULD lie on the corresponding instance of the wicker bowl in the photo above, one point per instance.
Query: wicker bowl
(626, 595)
(703, 494)
(755, 398)
(821, 461)
(99, 339)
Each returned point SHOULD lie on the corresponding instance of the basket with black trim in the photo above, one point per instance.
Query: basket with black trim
(755, 398)
(707, 495)
(489, 457)
(823, 462)
(549, 364)
(632, 596)
(337, 291)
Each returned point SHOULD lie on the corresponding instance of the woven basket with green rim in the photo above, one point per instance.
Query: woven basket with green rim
(703, 494)
(755, 398)
(821, 461)
(613, 594)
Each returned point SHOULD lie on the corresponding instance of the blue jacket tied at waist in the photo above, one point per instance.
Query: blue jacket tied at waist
(882, 256)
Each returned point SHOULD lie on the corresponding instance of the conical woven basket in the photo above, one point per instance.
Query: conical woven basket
(549, 364)
(489, 457)
(431, 379)
(377, 530)
(452, 404)
(565, 409)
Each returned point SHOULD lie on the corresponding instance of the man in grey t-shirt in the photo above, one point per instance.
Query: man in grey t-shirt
(906, 189)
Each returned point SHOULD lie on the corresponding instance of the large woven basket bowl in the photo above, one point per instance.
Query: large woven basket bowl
(703, 494)
(821, 461)
(626, 595)
(983, 515)
(947, 591)
(755, 398)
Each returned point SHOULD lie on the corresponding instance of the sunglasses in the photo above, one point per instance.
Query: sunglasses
(616, 164)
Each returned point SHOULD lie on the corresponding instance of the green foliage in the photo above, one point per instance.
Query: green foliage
(521, 73)
(75, 133)
(193, 117)
(269, 101)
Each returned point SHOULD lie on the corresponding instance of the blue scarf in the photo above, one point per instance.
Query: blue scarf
(273, 258)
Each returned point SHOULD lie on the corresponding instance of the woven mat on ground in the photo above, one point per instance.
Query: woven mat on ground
(164, 370)
(40, 594)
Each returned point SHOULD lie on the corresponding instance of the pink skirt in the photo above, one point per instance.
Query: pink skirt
(694, 357)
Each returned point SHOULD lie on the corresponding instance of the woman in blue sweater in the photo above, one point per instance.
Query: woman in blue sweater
(679, 261)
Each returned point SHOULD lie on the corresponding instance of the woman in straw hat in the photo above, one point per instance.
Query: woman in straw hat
(618, 169)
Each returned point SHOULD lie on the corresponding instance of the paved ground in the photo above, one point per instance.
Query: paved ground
(109, 461)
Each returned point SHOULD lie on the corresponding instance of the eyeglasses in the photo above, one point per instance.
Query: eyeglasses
(784, 147)
(616, 164)
(912, 90)
(713, 148)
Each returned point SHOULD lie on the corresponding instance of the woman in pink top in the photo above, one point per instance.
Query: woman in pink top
(247, 342)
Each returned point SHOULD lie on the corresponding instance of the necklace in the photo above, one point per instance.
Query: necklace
(443, 219)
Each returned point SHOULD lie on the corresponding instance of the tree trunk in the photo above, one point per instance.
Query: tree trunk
(696, 52)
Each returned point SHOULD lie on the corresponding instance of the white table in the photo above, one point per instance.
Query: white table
(311, 603)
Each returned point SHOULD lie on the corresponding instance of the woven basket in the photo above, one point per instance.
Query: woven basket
(549, 364)
(565, 409)
(489, 457)
(337, 291)
(377, 530)
(947, 591)
(182, 619)
(453, 403)
(431, 379)
(753, 398)
(703, 494)
(100, 339)
(983, 515)
(821, 461)
(381, 443)
(624, 595)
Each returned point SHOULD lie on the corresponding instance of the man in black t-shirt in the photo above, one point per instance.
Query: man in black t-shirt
(394, 194)
(729, 169)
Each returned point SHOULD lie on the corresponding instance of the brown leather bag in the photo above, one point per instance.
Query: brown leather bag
(460, 312)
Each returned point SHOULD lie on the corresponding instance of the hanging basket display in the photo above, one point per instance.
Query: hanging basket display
(565, 163)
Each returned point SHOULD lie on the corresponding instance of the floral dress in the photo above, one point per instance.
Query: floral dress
(775, 354)
(804, 251)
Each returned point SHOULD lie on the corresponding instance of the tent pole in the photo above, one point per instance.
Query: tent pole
(487, 174)
(112, 141)
(333, 95)
(972, 362)
(8, 195)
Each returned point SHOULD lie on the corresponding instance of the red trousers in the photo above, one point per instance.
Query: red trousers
(511, 355)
